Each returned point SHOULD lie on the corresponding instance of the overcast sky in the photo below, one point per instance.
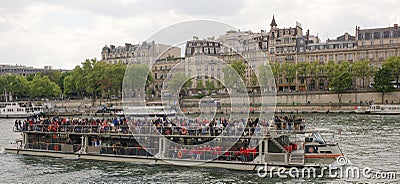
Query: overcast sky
(64, 33)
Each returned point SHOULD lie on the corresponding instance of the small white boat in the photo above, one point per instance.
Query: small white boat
(360, 110)
(383, 109)
(18, 110)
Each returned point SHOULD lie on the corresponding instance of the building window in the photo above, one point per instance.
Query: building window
(340, 57)
(330, 58)
(372, 42)
(349, 57)
(380, 42)
(377, 35)
(271, 51)
(391, 42)
(205, 50)
(386, 34)
(380, 55)
(362, 56)
(367, 36)
(362, 43)
(321, 58)
(350, 45)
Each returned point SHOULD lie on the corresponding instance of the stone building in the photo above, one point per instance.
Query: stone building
(145, 53)
(22, 70)
(160, 70)
(290, 45)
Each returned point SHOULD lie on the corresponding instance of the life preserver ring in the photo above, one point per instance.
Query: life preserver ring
(56, 148)
(311, 149)
(184, 131)
(179, 154)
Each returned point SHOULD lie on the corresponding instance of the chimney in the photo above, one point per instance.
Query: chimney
(127, 46)
(396, 26)
(112, 47)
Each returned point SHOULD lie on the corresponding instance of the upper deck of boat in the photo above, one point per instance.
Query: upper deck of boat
(122, 127)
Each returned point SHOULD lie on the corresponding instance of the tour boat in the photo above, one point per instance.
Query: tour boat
(383, 109)
(229, 144)
(18, 110)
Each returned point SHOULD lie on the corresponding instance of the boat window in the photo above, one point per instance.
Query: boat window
(318, 138)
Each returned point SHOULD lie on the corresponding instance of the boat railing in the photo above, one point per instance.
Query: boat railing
(123, 150)
(216, 155)
(195, 131)
(76, 148)
(60, 147)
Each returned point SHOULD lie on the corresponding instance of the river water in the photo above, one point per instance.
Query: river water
(366, 140)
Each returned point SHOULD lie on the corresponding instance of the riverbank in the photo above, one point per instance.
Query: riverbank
(297, 102)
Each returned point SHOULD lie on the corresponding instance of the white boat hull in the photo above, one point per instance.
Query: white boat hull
(232, 165)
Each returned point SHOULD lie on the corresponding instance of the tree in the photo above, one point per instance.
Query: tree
(341, 80)
(16, 85)
(43, 87)
(177, 82)
(233, 73)
(210, 86)
(303, 70)
(393, 64)
(240, 68)
(199, 85)
(289, 69)
(382, 81)
(136, 81)
(361, 70)
(265, 76)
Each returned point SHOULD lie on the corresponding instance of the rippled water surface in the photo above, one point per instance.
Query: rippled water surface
(366, 140)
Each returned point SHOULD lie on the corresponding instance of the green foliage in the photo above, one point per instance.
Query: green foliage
(265, 76)
(199, 85)
(136, 76)
(341, 79)
(233, 73)
(177, 81)
(240, 68)
(42, 86)
(393, 65)
(94, 78)
(210, 85)
(15, 85)
(382, 81)
(361, 70)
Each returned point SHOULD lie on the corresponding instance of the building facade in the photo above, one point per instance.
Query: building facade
(160, 70)
(278, 45)
(22, 70)
(145, 53)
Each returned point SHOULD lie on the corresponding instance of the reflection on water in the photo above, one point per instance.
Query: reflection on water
(366, 140)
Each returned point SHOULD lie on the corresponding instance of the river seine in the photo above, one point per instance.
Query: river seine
(366, 140)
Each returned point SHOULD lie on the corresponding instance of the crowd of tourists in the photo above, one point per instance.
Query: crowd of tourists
(160, 125)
